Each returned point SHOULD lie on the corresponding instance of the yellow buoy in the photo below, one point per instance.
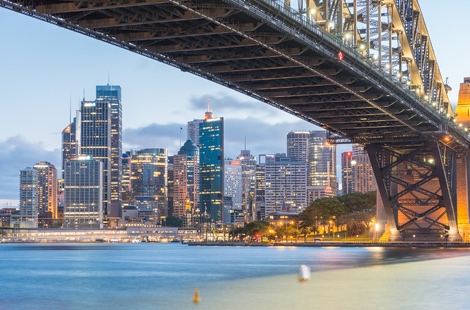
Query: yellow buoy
(196, 296)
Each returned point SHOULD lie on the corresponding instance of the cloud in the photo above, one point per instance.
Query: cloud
(154, 136)
(222, 104)
(17, 153)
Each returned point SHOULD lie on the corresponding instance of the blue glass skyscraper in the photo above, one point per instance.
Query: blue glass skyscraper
(211, 166)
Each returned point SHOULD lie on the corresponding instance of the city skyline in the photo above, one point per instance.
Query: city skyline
(35, 141)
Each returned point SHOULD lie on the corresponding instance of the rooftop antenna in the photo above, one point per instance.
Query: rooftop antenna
(108, 77)
(84, 94)
(245, 143)
(70, 125)
(181, 130)
(208, 105)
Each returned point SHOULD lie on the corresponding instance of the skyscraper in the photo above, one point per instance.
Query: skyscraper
(193, 130)
(260, 185)
(112, 95)
(233, 182)
(126, 178)
(83, 193)
(71, 141)
(47, 190)
(322, 161)
(211, 172)
(346, 173)
(149, 176)
(29, 198)
(297, 146)
(96, 142)
(286, 185)
(186, 178)
(248, 165)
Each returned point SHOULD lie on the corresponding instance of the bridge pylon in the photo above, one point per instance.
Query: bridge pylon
(417, 185)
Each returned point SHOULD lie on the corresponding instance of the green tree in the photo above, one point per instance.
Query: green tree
(257, 229)
(172, 221)
(355, 228)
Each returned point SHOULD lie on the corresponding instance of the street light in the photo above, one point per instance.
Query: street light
(376, 231)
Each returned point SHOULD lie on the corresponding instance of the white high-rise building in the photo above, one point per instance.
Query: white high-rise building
(286, 186)
(233, 183)
(29, 193)
(83, 193)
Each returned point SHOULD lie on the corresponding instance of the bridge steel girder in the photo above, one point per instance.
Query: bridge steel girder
(202, 38)
(417, 189)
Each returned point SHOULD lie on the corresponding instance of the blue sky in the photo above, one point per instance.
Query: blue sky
(45, 67)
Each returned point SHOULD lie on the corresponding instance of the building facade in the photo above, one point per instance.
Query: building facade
(186, 179)
(96, 142)
(233, 188)
(83, 193)
(322, 161)
(286, 186)
(149, 176)
(211, 166)
(71, 141)
(248, 165)
(346, 173)
(47, 191)
(29, 204)
(297, 146)
(193, 130)
(112, 95)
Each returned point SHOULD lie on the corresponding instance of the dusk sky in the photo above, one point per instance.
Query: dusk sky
(45, 67)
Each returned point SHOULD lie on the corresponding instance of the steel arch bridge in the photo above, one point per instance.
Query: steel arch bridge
(365, 70)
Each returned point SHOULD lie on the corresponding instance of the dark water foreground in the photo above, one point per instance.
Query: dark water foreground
(164, 276)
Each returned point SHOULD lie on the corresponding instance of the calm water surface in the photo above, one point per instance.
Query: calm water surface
(164, 276)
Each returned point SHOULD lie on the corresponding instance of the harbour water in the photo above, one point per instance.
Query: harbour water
(164, 276)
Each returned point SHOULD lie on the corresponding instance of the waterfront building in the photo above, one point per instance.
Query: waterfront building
(148, 208)
(297, 146)
(346, 173)
(149, 176)
(211, 166)
(233, 183)
(47, 193)
(322, 161)
(193, 130)
(462, 110)
(83, 193)
(248, 165)
(29, 203)
(186, 179)
(286, 186)
(112, 95)
(71, 141)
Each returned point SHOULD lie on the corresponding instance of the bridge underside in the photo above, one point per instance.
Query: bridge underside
(260, 49)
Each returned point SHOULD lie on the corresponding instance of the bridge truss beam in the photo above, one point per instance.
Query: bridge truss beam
(418, 189)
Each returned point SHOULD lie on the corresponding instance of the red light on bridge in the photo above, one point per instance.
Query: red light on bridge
(340, 55)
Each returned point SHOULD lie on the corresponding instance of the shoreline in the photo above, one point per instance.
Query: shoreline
(340, 244)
